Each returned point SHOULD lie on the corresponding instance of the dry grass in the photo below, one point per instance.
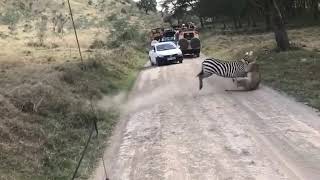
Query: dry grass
(44, 93)
(294, 72)
(45, 113)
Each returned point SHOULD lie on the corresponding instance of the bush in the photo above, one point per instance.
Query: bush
(10, 17)
(97, 44)
(112, 17)
(124, 11)
(83, 22)
(124, 33)
(42, 29)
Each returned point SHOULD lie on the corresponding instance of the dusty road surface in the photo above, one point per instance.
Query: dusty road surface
(173, 131)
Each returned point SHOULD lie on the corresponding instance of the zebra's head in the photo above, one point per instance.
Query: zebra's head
(248, 57)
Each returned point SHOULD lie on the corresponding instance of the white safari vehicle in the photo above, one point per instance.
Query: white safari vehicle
(164, 53)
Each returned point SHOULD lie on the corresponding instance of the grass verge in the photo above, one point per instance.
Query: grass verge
(45, 123)
(293, 72)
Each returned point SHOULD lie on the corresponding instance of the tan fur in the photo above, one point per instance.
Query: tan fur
(247, 58)
(252, 81)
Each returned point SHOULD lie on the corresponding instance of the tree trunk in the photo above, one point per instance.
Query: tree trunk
(280, 32)
(254, 22)
(201, 22)
(268, 15)
(315, 7)
(235, 22)
(239, 22)
(248, 21)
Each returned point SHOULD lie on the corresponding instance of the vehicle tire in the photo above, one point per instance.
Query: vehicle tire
(197, 54)
(158, 63)
(195, 43)
(151, 62)
(181, 61)
(183, 43)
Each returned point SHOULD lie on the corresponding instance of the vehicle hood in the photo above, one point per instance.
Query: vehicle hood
(169, 52)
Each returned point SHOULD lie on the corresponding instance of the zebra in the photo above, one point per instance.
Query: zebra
(228, 69)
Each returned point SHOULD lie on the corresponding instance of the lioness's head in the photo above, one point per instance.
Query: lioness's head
(249, 57)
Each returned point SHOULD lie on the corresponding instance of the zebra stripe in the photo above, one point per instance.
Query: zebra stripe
(228, 69)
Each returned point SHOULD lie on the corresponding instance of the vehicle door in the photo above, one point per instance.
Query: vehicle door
(152, 54)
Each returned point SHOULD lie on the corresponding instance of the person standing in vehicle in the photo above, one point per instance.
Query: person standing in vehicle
(177, 36)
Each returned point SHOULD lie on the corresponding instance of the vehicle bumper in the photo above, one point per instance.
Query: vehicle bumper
(165, 60)
(191, 51)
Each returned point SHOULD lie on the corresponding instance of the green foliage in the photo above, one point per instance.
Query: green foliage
(231, 8)
(10, 17)
(147, 5)
(294, 72)
(83, 22)
(124, 33)
(181, 10)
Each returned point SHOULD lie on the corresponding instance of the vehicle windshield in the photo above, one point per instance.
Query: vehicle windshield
(188, 36)
(168, 39)
(163, 47)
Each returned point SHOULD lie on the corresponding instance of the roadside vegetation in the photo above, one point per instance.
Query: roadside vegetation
(45, 93)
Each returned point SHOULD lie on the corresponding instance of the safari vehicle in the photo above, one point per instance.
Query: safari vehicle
(189, 42)
(156, 34)
(169, 36)
(165, 53)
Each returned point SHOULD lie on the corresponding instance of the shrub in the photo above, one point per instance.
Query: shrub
(97, 44)
(10, 17)
(124, 11)
(42, 29)
(83, 22)
(112, 17)
(124, 33)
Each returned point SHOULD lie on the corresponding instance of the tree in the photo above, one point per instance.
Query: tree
(279, 28)
(274, 18)
(272, 10)
(147, 5)
(182, 10)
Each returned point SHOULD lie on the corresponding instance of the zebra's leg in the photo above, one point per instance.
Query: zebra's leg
(200, 83)
(200, 76)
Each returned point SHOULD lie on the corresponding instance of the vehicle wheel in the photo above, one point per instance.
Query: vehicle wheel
(180, 61)
(158, 63)
(151, 62)
(197, 54)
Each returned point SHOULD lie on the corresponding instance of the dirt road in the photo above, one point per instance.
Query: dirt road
(174, 131)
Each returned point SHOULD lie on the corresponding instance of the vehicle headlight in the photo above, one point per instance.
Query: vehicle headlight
(160, 56)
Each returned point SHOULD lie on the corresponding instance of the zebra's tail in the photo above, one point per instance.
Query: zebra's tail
(200, 76)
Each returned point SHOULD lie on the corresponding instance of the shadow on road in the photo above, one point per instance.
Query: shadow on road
(148, 66)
